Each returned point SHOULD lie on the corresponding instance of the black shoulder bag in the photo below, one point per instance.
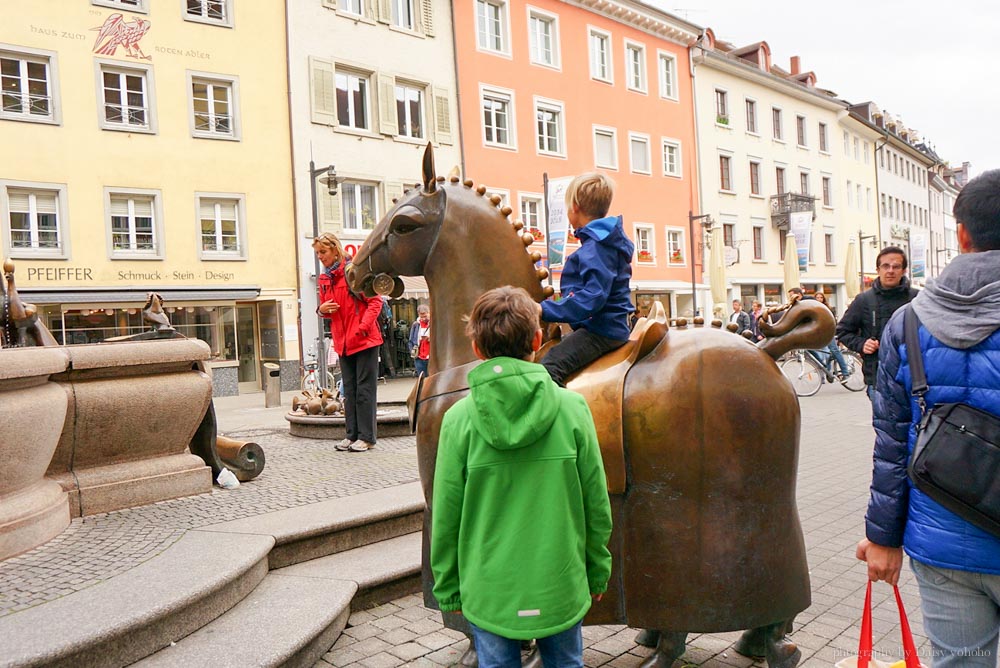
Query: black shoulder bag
(956, 460)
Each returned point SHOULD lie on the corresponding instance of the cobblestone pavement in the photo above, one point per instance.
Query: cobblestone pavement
(834, 473)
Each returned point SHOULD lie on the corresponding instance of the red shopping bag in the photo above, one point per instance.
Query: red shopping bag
(864, 659)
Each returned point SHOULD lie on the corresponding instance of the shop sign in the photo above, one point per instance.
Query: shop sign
(86, 275)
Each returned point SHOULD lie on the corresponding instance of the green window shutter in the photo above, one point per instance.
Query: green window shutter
(323, 92)
(387, 124)
(442, 115)
(393, 190)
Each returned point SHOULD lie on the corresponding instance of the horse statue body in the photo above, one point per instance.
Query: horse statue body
(706, 530)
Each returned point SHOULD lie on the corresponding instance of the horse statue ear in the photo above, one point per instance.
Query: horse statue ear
(429, 177)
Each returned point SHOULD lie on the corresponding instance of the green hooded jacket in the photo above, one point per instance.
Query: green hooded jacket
(520, 516)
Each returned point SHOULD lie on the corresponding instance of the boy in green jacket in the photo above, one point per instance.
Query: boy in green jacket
(520, 515)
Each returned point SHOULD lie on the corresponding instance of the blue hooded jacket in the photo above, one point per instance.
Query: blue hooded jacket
(595, 281)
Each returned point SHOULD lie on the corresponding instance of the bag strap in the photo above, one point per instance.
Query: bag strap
(865, 641)
(918, 379)
(909, 647)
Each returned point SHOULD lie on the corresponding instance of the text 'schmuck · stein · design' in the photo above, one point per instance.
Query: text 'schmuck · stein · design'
(701, 462)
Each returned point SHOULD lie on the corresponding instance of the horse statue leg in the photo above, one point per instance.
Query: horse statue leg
(670, 646)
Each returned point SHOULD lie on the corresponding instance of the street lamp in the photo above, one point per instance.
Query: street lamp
(330, 180)
(706, 219)
(861, 256)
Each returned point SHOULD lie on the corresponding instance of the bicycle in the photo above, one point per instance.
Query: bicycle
(310, 379)
(807, 373)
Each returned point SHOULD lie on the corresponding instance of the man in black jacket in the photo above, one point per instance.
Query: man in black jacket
(861, 327)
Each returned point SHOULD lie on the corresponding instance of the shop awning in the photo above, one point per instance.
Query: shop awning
(116, 295)
(414, 287)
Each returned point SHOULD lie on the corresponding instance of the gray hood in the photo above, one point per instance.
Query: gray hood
(961, 307)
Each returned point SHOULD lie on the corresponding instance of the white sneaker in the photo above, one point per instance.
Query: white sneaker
(361, 446)
(345, 445)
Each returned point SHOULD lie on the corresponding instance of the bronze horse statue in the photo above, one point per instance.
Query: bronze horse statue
(702, 481)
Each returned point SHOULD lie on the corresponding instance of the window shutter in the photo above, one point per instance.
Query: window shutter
(329, 210)
(119, 206)
(424, 12)
(228, 209)
(393, 190)
(323, 92)
(387, 105)
(384, 11)
(19, 200)
(442, 115)
(206, 209)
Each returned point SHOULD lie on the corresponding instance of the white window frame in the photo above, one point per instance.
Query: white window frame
(831, 258)
(157, 253)
(609, 76)
(233, 83)
(605, 130)
(680, 245)
(396, 14)
(780, 135)
(847, 144)
(553, 21)
(758, 227)
(808, 182)
(747, 101)
(241, 228)
(422, 89)
(50, 60)
(495, 92)
(823, 138)
(642, 85)
(760, 177)
(341, 69)
(850, 196)
(122, 68)
(559, 109)
(728, 156)
(801, 128)
(141, 7)
(504, 19)
(502, 193)
(227, 13)
(356, 226)
(722, 119)
(676, 144)
(667, 92)
(537, 199)
(825, 188)
(650, 242)
(61, 251)
(644, 138)
(349, 11)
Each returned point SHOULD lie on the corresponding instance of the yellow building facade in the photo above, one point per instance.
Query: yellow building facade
(145, 147)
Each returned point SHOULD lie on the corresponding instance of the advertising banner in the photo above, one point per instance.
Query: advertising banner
(799, 226)
(558, 223)
(918, 255)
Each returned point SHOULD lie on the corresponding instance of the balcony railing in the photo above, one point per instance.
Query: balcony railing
(785, 203)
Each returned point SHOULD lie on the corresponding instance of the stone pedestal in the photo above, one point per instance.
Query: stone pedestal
(391, 420)
(32, 412)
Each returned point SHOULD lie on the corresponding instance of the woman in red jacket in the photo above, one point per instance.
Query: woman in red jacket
(356, 336)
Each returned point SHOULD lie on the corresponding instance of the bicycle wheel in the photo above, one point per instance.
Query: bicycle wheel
(855, 379)
(309, 382)
(804, 375)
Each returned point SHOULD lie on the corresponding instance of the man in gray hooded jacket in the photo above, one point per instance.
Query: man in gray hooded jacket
(957, 565)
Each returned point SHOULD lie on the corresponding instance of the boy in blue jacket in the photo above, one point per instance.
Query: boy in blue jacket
(596, 300)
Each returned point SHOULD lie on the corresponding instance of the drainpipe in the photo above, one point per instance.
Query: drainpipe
(696, 190)
(295, 212)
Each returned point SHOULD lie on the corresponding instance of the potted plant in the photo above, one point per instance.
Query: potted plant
(645, 256)
(676, 255)
(537, 233)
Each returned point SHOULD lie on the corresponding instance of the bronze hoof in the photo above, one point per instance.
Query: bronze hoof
(669, 648)
(784, 654)
(752, 643)
(647, 637)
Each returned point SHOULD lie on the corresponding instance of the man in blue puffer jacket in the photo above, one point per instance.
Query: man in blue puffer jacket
(596, 299)
(957, 565)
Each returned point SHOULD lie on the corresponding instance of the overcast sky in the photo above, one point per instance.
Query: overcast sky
(934, 64)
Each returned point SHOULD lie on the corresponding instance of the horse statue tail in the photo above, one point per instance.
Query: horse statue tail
(806, 324)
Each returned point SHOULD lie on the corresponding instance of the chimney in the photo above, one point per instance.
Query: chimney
(796, 65)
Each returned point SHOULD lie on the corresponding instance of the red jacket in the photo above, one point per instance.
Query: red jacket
(355, 324)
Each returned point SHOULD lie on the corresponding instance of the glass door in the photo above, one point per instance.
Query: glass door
(246, 342)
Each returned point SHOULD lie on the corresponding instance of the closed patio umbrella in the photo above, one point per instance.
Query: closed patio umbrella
(851, 280)
(792, 279)
(717, 269)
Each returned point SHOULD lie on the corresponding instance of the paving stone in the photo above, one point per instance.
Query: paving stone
(360, 617)
(435, 641)
(408, 651)
(425, 626)
(416, 612)
(343, 657)
(593, 658)
(390, 622)
(398, 636)
(370, 646)
(381, 660)
(447, 656)
(363, 631)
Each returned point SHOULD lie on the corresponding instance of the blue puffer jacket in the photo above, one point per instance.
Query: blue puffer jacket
(594, 283)
(965, 367)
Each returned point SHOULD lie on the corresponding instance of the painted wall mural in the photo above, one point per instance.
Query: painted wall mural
(116, 32)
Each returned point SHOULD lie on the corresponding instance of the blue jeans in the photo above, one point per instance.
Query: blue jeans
(563, 650)
(961, 612)
(419, 367)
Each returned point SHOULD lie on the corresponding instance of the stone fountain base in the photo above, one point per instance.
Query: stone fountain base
(392, 420)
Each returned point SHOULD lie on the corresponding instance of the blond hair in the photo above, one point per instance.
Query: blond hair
(330, 240)
(503, 323)
(592, 193)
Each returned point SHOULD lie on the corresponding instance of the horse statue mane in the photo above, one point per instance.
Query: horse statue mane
(702, 482)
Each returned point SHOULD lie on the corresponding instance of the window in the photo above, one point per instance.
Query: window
(644, 251)
(635, 62)
(135, 226)
(827, 195)
(857, 190)
(847, 144)
(867, 154)
(824, 145)
(221, 221)
(129, 5)
(828, 247)
(409, 111)
(34, 221)
(491, 23)
(800, 130)
(779, 179)
(26, 84)
(758, 242)
(638, 148)
(600, 55)
(751, 106)
(885, 211)
(729, 235)
(549, 127)
(725, 173)
(351, 7)
(776, 128)
(675, 246)
(209, 11)
(857, 148)
(671, 158)
(605, 148)
(531, 214)
(754, 177)
(804, 183)
(782, 242)
(668, 76)
(126, 98)
(543, 39)
(850, 187)
(497, 118)
(213, 107)
(721, 107)
(352, 100)
(360, 205)
(881, 158)
(868, 199)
